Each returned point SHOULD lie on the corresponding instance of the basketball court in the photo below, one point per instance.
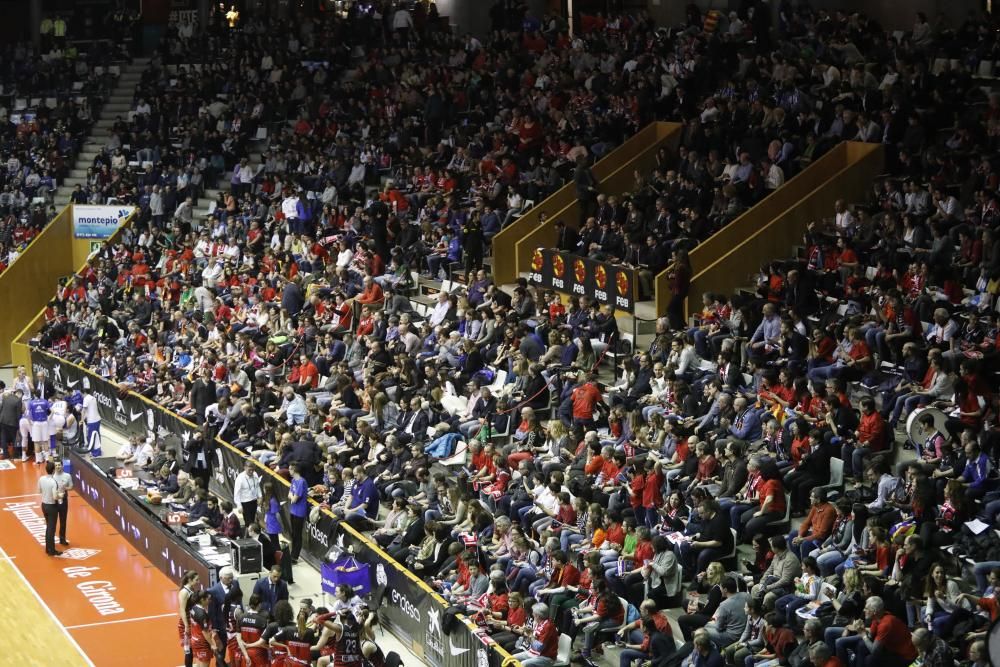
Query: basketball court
(101, 603)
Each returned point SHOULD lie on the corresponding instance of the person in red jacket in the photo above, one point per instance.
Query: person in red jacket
(872, 436)
(544, 644)
(586, 396)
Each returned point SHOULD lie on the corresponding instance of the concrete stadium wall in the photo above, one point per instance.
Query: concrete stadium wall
(30, 282)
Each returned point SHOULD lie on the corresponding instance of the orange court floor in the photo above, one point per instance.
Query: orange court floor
(99, 604)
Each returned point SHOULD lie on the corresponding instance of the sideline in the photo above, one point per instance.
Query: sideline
(41, 602)
(123, 620)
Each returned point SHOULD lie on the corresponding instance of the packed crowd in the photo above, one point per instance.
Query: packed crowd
(586, 505)
(47, 105)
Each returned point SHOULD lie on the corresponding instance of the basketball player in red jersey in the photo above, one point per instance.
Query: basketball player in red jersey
(251, 647)
(189, 584)
(204, 642)
(283, 615)
(298, 640)
(345, 633)
(232, 608)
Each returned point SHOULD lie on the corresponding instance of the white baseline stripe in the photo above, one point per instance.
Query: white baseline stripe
(88, 661)
(122, 620)
(26, 495)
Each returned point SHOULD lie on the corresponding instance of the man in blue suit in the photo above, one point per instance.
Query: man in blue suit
(217, 603)
(271, 589)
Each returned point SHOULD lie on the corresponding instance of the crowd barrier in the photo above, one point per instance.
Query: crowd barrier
(514, 246)
(409, 607)
(777, 222)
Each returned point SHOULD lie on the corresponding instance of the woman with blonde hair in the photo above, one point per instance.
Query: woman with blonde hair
(559, 446)
(510, 630)
(703, 603)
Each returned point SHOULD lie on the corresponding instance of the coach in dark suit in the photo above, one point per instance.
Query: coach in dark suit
(271, 589)
(44, 387)
(217, 605)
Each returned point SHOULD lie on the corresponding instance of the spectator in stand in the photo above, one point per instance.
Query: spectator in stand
(268, 276)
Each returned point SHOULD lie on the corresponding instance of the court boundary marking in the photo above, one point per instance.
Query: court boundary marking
(23, 495)
(45, 606)
(121, 620)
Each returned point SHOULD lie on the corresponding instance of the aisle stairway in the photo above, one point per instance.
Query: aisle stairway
(119, 104)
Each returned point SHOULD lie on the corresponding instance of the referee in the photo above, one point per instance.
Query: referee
(64, 482)
(48, 488)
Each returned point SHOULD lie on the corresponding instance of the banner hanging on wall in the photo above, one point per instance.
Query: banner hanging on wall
(609, 284)
(98, 222)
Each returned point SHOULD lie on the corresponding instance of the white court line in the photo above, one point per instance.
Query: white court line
(123, 620)
(23, 495)
(4, 556)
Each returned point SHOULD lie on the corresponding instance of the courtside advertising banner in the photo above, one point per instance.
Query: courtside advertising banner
(98, 222)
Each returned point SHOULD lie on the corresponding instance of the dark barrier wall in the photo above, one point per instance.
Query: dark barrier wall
(411, 609)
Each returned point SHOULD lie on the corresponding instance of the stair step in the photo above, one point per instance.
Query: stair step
(73, 180)
(78, 173)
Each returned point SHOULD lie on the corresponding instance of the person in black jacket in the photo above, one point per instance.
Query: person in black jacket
(793, 347)
(473, 244)
(586, 187)
(813, 470)
(199, 454)
(799, 294)
(203, 394)
(567, 239)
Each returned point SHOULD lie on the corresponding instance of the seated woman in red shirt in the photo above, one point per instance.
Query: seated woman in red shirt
(771, 493)
(510, 630)
(603, 611)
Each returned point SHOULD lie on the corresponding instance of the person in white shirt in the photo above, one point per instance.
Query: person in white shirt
(211, 273)
(917, 200)
(184, 213)
(357, 177)
(402, 23)
(246, 173)
(92, 420)
(774, 177)
(441, 309)
(946, 207)
(126, 454)
(344, 256)
(246, 491)
(844, 220)
(290, 209)
(156, 205)
(143, 453)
